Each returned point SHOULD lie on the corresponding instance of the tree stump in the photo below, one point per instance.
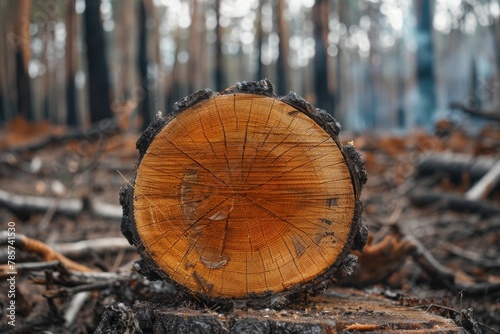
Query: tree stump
(243, 195)
(337, 311)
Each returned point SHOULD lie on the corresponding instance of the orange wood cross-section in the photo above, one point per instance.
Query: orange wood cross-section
(243, 194)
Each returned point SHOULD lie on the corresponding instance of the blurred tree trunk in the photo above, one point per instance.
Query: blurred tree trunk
(155, 83)
(194, 48)
(21, 40)
(425, 62)
(144, 105)
(282, 84)
(337, 84)
(259, 38)
(50, 108)
(496, 32)
(3, 62)
(220, 80)
(98, 75)
(124, 31)
(474, 100)
(400, 85)
(373, 80)
(204, 74)
(3, 109)
(325, 99)
(70, 59)
(172, 91)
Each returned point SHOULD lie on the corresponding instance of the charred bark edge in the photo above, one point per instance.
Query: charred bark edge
(357, 236)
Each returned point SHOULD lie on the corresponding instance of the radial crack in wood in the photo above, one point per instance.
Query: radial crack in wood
(243, 194)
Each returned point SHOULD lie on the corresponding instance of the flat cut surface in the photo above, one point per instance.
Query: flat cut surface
(243, 194)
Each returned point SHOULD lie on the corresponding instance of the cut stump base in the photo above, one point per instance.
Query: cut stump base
(337, 311)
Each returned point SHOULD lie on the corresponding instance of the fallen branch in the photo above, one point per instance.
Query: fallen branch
(105, 127)
(421, 197)
(490, 115)
(476, 258)
(74, 307)
(454, 166)
(65, 277)
(483, 187)
(33, 204)
(26, 204)
(67, 292)
(45, 251)
(439, 274)
(81, 248)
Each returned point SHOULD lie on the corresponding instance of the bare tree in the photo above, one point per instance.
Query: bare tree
(144, 105)
(496, 32)
(98, 80)
(220, 80)
(322, 85)
(70, 59)
(124, 32)
(282, 84)
(425, 62)
(259, 39)
(194, 47)
(21, 42)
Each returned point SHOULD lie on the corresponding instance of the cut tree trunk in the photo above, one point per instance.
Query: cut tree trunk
(243, 195)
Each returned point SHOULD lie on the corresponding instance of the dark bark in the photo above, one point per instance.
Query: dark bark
(144, 105)
(324, 98)
(425, 63)
(219, 57)
(3, 65)
(400, 112)
(70, 55)
(495, 27)
(98, 79)
(258, 38)
(23, 88)
(21, 41)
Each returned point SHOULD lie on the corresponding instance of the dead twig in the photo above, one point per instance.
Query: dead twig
(66, 206)
(105, 127)
(474, 257)
(482, 188)
(74, 307)
(27, 204)
(67, 292)
(72, 278)
(45, 251)
(77, 249)
(429, 306)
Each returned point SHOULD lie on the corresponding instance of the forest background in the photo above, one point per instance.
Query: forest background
(377, 64)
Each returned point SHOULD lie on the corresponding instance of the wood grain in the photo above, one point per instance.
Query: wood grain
(243, 194)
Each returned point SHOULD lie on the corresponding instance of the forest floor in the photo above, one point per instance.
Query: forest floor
(433, 244)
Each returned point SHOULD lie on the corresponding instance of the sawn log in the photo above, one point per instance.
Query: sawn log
(244, 195)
